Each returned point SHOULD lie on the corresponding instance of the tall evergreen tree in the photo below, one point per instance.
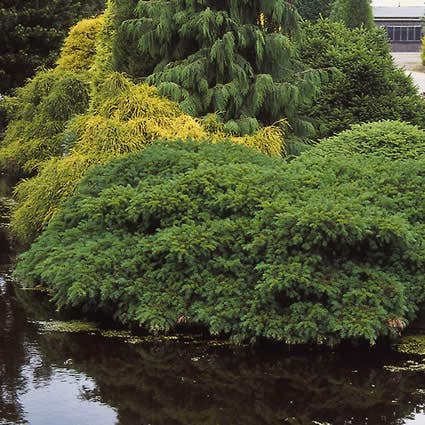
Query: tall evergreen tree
(354, 13)
(31, 33)
(233, 58)
(314, 9)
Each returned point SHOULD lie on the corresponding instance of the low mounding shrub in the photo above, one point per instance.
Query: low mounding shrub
(318, 250)
(123, 117)
(389, 139)
(370, 87)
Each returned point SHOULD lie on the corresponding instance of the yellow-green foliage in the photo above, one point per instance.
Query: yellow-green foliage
(104, 42)
(40, 111)
(38, 116)
(123, 118)
(39, 197)
(79, 48)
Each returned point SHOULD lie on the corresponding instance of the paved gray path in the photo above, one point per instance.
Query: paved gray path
(411, 62)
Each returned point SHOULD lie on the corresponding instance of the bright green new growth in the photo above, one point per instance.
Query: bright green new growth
(353, 13)
(233, 58)
(320, 250)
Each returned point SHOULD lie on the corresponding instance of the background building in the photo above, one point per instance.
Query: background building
(403, 25)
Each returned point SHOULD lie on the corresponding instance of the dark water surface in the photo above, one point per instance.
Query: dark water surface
(54, 378)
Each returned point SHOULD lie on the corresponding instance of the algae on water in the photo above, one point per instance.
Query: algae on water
(66, 327)
(412, 344)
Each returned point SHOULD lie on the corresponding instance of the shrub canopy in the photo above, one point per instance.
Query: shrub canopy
(79, 47)
(123, 117)
(391, 140)
(39, 112)
(320, 250)
(38, 115)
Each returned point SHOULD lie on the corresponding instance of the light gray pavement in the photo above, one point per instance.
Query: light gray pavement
(411, 62)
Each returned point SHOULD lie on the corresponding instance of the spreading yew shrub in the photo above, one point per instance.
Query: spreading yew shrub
(320, 250)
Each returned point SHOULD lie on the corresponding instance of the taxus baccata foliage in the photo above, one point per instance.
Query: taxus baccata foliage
(317, 251)
(233, 58)
(369, 88)
(123, 118)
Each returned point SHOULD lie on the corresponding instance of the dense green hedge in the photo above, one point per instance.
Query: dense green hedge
(320, 250)
(369, 88)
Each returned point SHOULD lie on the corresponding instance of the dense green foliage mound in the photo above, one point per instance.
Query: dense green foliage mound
(369, 88)
(320, 250)
(31, 34)
(388, 139)
(231, 58)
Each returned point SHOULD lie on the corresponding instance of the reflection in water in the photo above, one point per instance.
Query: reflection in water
(78, 379)
(33, 389)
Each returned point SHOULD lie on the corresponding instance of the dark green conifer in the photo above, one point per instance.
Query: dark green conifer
(314, 9)
(354, 13)
(234, 58)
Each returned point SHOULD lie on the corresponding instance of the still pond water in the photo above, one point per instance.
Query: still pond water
(49, 377)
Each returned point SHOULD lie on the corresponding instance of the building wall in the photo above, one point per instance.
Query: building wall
(400, 46)
(405, 47)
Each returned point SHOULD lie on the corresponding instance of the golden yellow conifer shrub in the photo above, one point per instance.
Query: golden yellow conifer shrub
(39, 111)
(79, 47)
